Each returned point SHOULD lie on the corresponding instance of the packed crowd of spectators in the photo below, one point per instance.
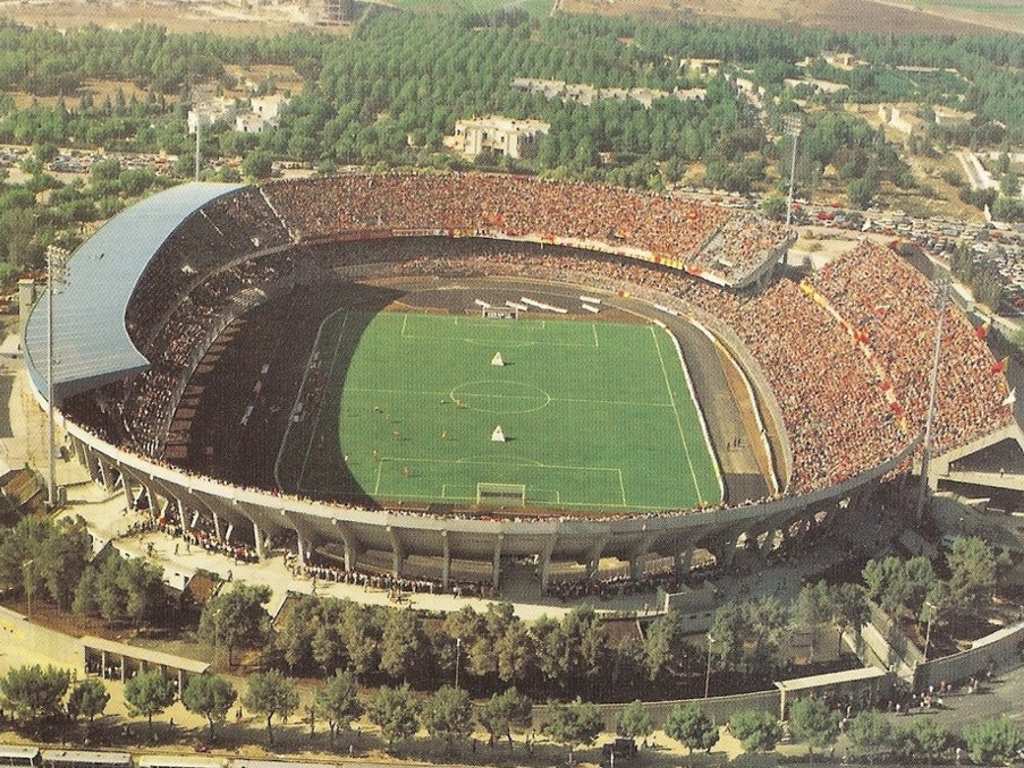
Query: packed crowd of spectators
(229, 227)
(895, 311)
(832, 402)
(173, 350)
(703, 238)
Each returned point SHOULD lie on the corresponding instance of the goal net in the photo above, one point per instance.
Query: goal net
(504, 494)
(499, 313)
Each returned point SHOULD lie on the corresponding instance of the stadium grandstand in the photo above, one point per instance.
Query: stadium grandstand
(831, 371)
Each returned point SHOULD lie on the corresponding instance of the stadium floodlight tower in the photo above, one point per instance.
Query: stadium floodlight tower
(941, 299)
(56, 259)
(792, 125)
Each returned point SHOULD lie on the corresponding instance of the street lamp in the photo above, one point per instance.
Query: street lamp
(707, 676)
(458, 647)
(28, 586)
(792, 125)
(56, 258)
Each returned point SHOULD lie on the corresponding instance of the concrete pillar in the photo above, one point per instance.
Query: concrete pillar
(496, 574)
(639, 550)
(105, 475)
(545, 561)
(257, 536)
(126, 486)
(683, 559)
(594, 556)
(183, 515)
(302, 549)
(228, 532)
(195, 518)
(397, 552)
(216, 526)
(181, 683)
(446, 560)
(351, 543)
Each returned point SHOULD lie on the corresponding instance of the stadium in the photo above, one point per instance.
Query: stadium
(442, 377)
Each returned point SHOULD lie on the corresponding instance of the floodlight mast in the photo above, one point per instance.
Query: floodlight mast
(53, 253)
(941, 300)
(793, 126)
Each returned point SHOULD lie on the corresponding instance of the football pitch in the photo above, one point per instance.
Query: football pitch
(596, 415)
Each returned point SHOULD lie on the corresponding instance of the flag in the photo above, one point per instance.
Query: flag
(1011, 398)
(999, 366)
(982, 330)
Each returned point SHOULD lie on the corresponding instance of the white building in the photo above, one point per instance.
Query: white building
(264, 112)
(513, 138)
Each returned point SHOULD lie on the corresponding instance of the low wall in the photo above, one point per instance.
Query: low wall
(999, 649)
(718, 708)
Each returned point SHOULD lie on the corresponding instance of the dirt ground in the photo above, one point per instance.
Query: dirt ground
(175, 16)
(840, 15)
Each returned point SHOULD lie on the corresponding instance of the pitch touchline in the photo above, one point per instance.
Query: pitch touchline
(320, 406)
(508, 397)
(679, 423)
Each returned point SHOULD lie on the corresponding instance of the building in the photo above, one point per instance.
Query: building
(516, 139)
(206, 113)
(584, 94)
(339, 11)
(264, 112)
(951, 118)
(900, 119)
(701, 67)
(818, 86)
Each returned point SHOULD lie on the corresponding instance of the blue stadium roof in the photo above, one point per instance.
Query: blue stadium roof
(91, 342)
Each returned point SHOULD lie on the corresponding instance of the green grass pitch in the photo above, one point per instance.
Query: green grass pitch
(598, 415)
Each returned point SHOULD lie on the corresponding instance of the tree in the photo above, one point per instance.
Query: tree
(401, 643)
(504, 712)
(667, 647)
(635, 721)
(258, 165)
(927, 738)
(774, 207)
(1009, 185)
(338, 702)
(849, 606)
(687, 724)
(448, 715)
(870, 734)
(209, 696)
(861, 192)
(236, 617)
(813, 722)
(573, 725)
(34, 694)
(813, 607)
(767, 623)
(972, 569)
(993, 741)
(148, 694)
(758, 731)
(270, 694)
(87, 699)
(394, 711)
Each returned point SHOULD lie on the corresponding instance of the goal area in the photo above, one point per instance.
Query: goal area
(503, 494)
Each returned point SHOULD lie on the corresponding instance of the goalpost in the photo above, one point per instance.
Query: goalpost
(504, 494)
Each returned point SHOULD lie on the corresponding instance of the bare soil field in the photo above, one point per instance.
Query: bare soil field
(99, 89)
(840, 15)
(175, 16)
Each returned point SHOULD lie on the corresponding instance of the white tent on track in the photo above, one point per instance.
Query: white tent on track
(498, 435)
(498, 361)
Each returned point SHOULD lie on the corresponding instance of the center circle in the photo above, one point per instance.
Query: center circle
(501, 397)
